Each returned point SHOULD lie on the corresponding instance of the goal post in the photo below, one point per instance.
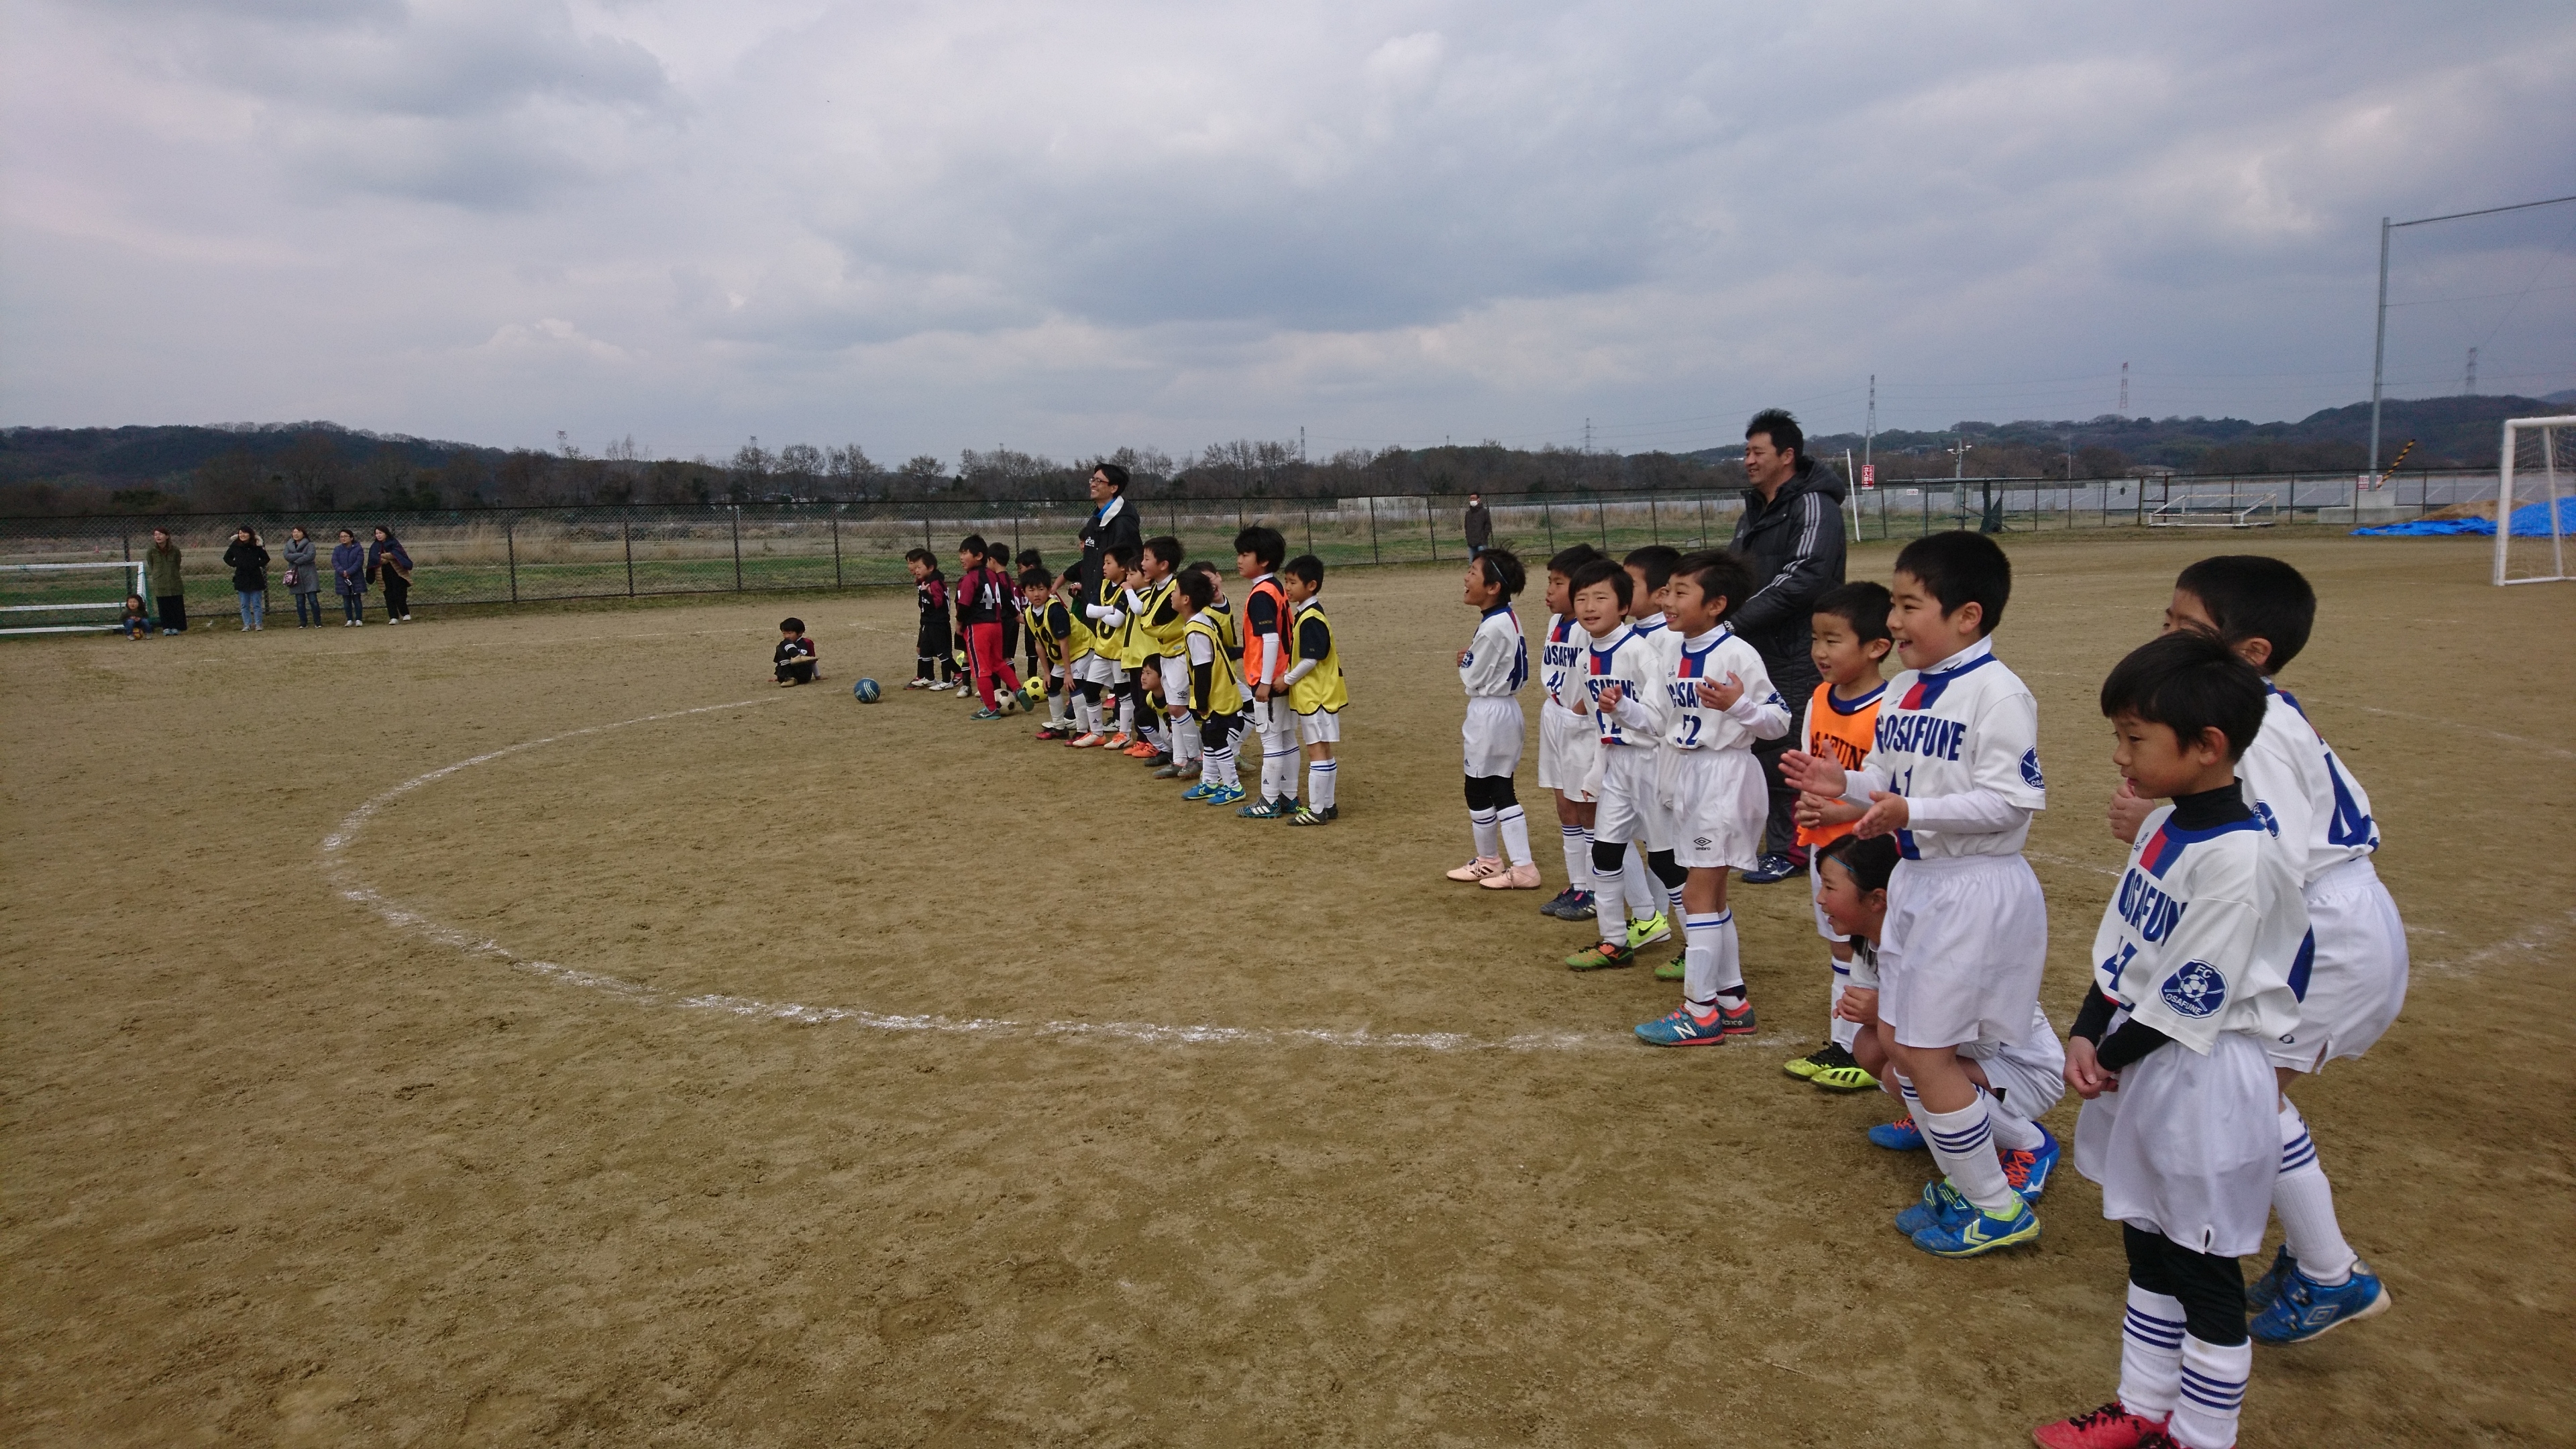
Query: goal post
(53, 598)
(2535, 507)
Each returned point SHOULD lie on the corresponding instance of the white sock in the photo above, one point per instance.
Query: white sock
(1220, 764)
(1709, 960)
(1844, 1033)
(1963, 1142)
(1641, 893)
(1055, 710)
(2304, 1201)
(1488, 834)
(1320, 777)
(2013, 1131)
(2213, 1392)
(1607, 906)
(2150, 1354)
(1515, 825)
(1673, 899)
(1185, 742)
(1126, 715)
(1578, 857)
(1279, 771)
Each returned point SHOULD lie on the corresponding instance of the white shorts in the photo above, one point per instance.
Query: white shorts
(1569, 753)
(1271, 720)
(1096, 669)
(1176, 682)
(1493, 733)
(1632, 812)
(2358, 982)
(1961, 952)
(1824, 924)
(2189, 1145)
(1323, 727)
(2029, 1074)
(1716, 802)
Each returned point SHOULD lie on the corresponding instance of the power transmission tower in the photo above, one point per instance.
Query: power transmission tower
(2124, 390)
(2469, 384)
(1869, 430)
(1587, 435)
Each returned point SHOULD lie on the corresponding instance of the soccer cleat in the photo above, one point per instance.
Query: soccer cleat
(1310, 817)
(1657, 927)
(1683, 1029)
(1140, 750)
(1939, 1206)
(1118, 742)
(1479, 868)
(1556, 904)
(2306, 1309)
(1900, 1135)
(1836, 1071)
(1089, 741)
(1169, 772)
(986, 714)
(1522, 877)
(1269, 810)
(1051, 732)
(2260, 1293)
(1673, 970)
(1805, 1068)
(1583, 908)
(2028, 1170)
(2108, 1427)
(1982, 1233)
(1202, 790)
(1226, 795)
(1600, 956)
(1738, 1022)
(1161, 760)
(1771, 869)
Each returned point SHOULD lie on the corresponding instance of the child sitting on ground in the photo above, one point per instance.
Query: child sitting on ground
(795, 660)
(136, 624)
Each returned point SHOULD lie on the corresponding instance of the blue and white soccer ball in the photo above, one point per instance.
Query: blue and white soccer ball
(866, 690)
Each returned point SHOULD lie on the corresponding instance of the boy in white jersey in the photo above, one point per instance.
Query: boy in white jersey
(2264, 610)
(1654, 909)
(1569, 751)
(1621, 663)
(2197, 965)
(1955, 777)
(1716, 701)
(1492, 669)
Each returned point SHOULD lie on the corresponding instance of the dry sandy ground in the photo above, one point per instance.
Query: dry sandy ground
(474, 1159)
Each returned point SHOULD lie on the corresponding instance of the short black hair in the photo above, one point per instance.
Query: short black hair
(1030, 559)
(1198, 585)
(1036, 578)
(1569, 560)
(1719, 572)
(1960, 568)
(1116, 475)
(921, 556)
(1870, 862)
(2188, 682)
(1657, 560)
(973, 544)
(1862, 603)
(1165, 547)
(1264, 544)
(1604, 571)
(1502, 568)
(1126, 554)
(2249, 596)
(791, 625)
(1306, 568)
(1785, 433)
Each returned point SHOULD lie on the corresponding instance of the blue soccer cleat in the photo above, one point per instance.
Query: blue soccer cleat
(1980, 1233)
(2028, 1171)
(1202, 790)
(2306, 1309)
(1900, 1135)
(1226, 795)
(1683, 1029)
(2260, 1293)
(1940, 1206)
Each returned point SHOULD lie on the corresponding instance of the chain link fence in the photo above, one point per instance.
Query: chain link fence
(523, 555)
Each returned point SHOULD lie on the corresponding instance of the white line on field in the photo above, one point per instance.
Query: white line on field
(337, 868)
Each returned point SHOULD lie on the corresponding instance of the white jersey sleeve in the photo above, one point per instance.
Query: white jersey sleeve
(1961, 742)
(2207, 933)
(2294, 780)
(1497, 661)
(1691, 725)
(1627, 660)
(1561, 670)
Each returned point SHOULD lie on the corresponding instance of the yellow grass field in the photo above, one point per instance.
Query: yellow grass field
(714, 1064)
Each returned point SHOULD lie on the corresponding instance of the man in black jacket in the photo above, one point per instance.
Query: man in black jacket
(1792, 532)
(1112, 523)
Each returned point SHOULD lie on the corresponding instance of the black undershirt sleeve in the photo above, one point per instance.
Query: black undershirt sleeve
(1202, 683)
(2122, 1048)
(1314, 639)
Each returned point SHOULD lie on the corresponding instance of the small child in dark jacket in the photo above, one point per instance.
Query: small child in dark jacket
(137, 624)
(795, 660)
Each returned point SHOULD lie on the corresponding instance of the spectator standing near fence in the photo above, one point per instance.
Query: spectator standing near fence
(1112, 523)
(169, 587)
(389, 568)
(1479, 526)
(349, 579)
(1792, 534)
(249, 563)
(303, 578)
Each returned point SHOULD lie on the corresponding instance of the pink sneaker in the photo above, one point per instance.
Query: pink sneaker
(1518, 878)
(1479, 868)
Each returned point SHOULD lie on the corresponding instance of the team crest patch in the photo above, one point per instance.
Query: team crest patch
(2271, 822)
(2030, 769)
(2195, 990)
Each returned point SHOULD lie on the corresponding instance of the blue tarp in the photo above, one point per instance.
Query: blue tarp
(2529, 521)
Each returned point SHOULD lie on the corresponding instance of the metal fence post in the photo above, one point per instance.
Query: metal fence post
(1654, 520)
(836, 544)
(1601, 513)
(737, 548)
(510, 540)
(925, 529)
(1547, 517)
(1310, 526)
(626, 535)
(1430, 528)
(1371, 501)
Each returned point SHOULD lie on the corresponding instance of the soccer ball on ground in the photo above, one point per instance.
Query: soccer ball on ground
(866, 690)
(1033, 694)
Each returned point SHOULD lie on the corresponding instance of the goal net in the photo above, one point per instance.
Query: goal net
(2535, 504)
(66, 598)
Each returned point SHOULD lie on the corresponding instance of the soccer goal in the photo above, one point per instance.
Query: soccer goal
(2534, 509)
(2189, 505)
(54, 598)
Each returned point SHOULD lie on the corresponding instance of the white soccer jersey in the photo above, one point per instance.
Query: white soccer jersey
(1627, 658)
(1690, 725)
(1960, 741)
(2294, 780)
(1497, 661)
(2208, 933)
(1560, 662)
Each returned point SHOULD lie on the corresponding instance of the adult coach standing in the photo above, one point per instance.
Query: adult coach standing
(1792, 531)
(1479, 525)
(1111, 523)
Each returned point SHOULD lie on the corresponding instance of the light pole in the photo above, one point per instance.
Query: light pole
(2379, 346)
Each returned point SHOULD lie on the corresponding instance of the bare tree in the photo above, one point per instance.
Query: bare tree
(800, 466)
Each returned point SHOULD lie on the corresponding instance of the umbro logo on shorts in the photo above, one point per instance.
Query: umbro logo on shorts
(1703, 842)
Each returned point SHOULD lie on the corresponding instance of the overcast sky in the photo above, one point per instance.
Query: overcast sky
(923, 227)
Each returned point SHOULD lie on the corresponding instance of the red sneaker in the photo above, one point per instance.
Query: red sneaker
(2108, 1427)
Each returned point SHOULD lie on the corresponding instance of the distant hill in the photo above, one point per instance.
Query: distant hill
(143, 456)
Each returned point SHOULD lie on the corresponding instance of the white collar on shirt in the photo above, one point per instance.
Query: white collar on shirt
(1964, 657)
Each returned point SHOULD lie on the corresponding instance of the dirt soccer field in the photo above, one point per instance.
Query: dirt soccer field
(539, 1028)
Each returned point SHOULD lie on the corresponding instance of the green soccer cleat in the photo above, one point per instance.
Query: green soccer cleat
(1601, 956)
(1672, 970)
(1657, 927)
(1805, 1068)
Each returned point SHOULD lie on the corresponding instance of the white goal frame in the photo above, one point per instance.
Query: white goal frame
(2177, 513)
(2552, 489)
(117, 608)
